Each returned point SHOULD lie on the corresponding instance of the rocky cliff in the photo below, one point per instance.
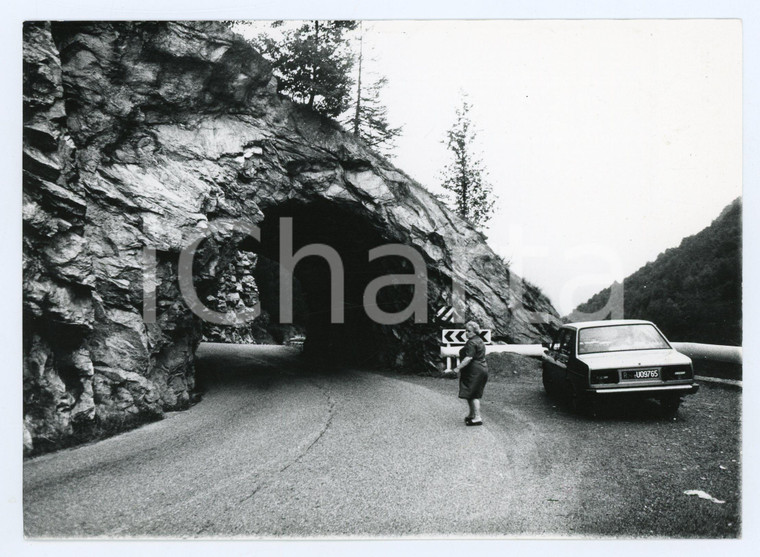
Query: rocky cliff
(237, 289)
(141, 135)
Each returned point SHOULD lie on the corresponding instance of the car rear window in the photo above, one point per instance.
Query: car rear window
(620, 337)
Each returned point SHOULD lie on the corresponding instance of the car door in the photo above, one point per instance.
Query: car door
(556, 363)
(567, 358)
(563, 352)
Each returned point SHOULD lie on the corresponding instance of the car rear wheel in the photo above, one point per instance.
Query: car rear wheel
(548, 384)
(579, 402)
(670, 404)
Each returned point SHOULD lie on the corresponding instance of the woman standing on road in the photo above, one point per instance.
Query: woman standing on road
(473, 372)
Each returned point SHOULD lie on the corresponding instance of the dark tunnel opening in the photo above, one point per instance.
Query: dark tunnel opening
(408, 344)
(357, 339)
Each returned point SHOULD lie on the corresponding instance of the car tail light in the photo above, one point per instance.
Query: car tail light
(605, 376)
(677, 372)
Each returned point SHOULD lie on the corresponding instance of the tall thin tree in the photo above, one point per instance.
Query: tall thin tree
(471, 196)
(369, 117)
(360, 60)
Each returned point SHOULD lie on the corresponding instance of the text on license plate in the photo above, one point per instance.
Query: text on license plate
(641, 374)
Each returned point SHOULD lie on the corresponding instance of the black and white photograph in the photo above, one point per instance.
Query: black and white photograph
(342, 275)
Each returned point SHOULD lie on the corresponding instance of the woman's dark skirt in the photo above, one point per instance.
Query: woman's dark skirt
(472, 380)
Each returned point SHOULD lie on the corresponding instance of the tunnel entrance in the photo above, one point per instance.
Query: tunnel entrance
(358, 340)
(352, 233)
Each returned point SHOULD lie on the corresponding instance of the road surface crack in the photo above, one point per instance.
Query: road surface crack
(250, 495)
(328, 423)
(317, 439)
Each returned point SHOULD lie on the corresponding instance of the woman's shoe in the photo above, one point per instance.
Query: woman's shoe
(470, 422)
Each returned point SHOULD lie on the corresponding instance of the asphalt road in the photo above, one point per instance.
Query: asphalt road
(278, 449)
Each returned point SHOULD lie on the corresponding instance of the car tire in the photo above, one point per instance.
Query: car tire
(548, 384)
(579, 402)
(670, 404)
(574, 398)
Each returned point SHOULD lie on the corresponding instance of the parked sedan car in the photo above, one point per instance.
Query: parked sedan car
(604, 359)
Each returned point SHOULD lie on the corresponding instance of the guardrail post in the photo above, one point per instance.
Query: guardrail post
(451, 363)
(451, 360)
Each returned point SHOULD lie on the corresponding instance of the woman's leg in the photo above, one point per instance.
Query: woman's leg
(474, 404)
(475, 409)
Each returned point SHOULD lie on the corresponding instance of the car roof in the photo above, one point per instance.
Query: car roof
(607, 323)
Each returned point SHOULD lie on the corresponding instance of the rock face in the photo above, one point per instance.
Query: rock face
(143, 135)
(237, 290)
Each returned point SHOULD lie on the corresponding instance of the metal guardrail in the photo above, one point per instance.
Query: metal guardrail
(451, 353)
(535, 350)
(710, 352)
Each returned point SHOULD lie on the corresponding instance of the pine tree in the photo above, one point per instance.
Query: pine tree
(465, 176)
(369, 117)
(313, 63)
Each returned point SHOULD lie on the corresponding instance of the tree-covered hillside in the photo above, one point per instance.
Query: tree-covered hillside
(692, 292)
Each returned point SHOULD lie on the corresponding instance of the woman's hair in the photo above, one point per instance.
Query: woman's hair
(472, 326)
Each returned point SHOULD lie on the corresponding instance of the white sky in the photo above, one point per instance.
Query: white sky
(606, 141)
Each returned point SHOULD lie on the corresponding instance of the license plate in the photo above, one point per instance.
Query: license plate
(641, 374)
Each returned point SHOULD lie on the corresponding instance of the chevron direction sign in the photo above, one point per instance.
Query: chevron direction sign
(459, 336)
